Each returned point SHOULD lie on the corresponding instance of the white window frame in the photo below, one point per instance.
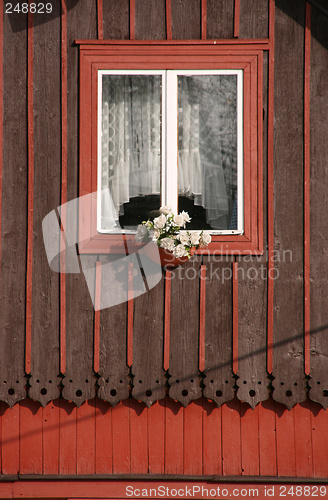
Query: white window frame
(169, 142)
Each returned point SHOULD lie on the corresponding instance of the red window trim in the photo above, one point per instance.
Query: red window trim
(228, 54)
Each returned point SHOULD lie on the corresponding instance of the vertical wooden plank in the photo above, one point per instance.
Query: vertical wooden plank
(81, 23)
(319, 206)
(235, 317)
(156, 433)
(168, 7)
(30, 437)
(236, 19)
(121, 438)
(67, 437)
(167, 313)
(231, 444)
(270, 201)
(212, 446)
(10, 439)
(30, 193)
(286, 450)
(303, 441)
(202, 311)
(104, 440)
(138, 437)
(150, 20)
(267, 438)
(96, 335)
(220, 19)
(218, 379)
(100, 19)
(253, 19)
(184, 376)
(173, 437)
(307, 67)
(63, 194)
(86, 438)
(252, 382)
(113, 370)
(13, 222)
(288, 352)
(193, 439)
(249, 434)
(319, 440)
(149, 379)
(186, 21)
(50, 438)
(132, 19)
(116, 18)
(204, 19)
(45, 307)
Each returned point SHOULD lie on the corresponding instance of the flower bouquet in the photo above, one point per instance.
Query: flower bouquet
(176, 244)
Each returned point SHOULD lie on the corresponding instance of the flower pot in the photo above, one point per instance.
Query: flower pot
(168, 260)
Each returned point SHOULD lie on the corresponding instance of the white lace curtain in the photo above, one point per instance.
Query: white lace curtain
(131, 151)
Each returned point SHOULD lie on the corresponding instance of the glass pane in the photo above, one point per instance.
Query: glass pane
(130, 148)
(208, 150)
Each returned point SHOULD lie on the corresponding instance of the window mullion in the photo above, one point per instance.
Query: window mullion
(170, 170)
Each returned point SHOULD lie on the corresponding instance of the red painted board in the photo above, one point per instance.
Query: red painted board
(249, 423)
(168, 20)
(156, 428)
(192, 438)
(303, 439)
(204, 19)
(50, 438)
(132, 19)
(267, 438)
(231, 445)
(30, 437)
(100, 19)
(138, 437)
(67, 437)
(173, 437)
(10, 439)
(104, 440)
(236, 19)
(286, 459)
(212, 446)
(121, 438)
(319, 418)
(86, 438)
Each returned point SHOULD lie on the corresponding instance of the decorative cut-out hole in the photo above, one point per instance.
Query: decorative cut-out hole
(325, 393)
(177, 381)
(50, 381)
(43, 391)
(79, 393)
(192, 380)
(121, 381)
(318, 382)
(11, 391)
(38, 381)
(148, 393)
(218, 393)
(281, 383)
(226, 382)
(17, 381)
(5, 381)
(212, 381)
(259, 382)
(140, 381)
(245, 382)
(252, 393)
(295, 383)
(157, 381)
(113, 392)
(107, 380)
(87, 381)
(184, 393)
(289, 394)
(71, 381)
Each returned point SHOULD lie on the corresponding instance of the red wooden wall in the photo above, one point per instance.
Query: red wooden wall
(269, 323)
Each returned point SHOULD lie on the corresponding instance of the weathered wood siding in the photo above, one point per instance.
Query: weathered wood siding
(245, 340)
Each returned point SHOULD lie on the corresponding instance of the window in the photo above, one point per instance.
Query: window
(171, 124)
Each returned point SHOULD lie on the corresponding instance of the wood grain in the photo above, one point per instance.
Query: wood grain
(150, 20)
(220, 19)
(186, 19)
